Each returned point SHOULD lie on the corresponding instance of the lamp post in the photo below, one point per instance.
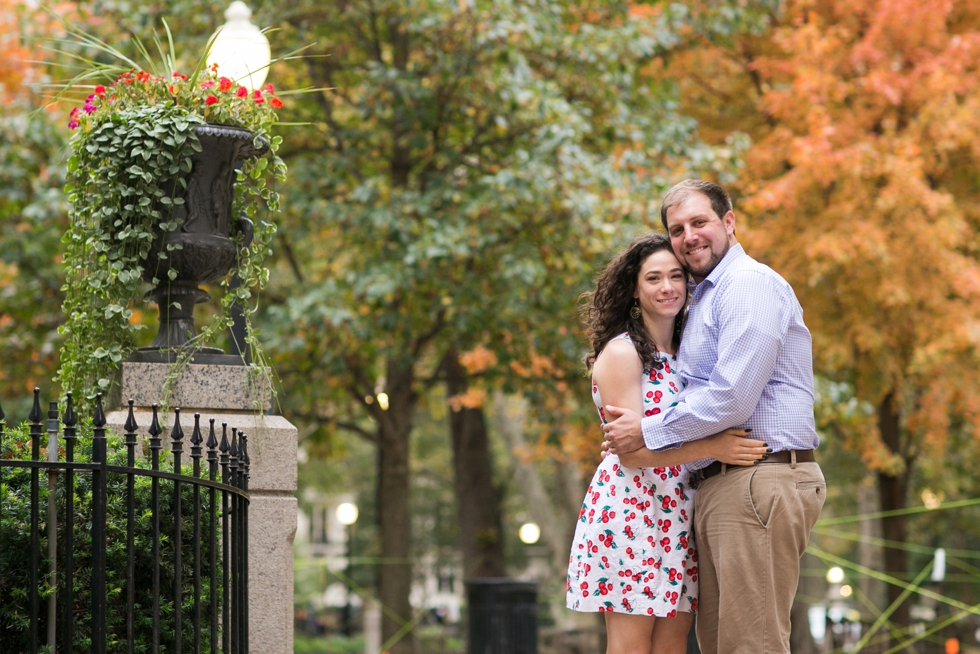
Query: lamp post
(347, 516)
(243, 54)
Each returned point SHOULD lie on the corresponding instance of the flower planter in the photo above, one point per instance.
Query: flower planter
(200, 250)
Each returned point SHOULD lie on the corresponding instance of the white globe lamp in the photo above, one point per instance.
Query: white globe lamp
(529, 533)
(240, 49)
(347, 513)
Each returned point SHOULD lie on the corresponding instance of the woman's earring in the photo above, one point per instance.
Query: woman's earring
(635, 310)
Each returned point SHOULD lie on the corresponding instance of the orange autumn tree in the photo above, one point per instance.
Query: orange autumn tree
(862, 188)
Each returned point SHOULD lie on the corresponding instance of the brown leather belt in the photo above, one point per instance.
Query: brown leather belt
(802, 456)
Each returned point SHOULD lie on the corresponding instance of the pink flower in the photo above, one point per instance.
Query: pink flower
(72, 124)
(210, 100)
(259, 100)
(257, 94)
(89, 108)
(242, 92)
(268, 88)
(206, 85)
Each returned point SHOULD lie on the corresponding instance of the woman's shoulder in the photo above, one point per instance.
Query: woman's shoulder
(619, 353)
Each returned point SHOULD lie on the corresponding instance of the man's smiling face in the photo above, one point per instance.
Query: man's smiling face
(699, 237)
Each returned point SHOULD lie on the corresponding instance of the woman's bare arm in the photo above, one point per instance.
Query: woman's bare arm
(730, 446)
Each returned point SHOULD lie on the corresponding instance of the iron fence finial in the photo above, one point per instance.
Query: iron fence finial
(69, 419)
(196, 438)
(177, 434)
(98, 420)
(131, 425)
(36, 415)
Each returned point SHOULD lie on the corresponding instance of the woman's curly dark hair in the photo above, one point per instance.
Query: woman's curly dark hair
(606, 311)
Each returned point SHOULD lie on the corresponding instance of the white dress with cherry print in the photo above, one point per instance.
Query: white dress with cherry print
(633, 550)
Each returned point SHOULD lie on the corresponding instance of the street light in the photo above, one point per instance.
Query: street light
(347, 516)
(240, 49)
(529, 533)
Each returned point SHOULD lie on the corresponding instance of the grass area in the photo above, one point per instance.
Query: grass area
(431, 639)
(303, 644)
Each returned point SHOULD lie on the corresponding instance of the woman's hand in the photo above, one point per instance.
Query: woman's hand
(734, 448)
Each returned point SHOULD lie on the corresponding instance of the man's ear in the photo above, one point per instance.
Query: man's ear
(729, 221)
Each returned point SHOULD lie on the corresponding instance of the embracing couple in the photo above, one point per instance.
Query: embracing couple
(695, 346)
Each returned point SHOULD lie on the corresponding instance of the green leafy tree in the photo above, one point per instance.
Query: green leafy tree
(470, 166)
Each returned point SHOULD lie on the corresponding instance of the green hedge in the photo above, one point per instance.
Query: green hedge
(15, 550)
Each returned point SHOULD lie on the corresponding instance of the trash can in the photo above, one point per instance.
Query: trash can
(502, 616)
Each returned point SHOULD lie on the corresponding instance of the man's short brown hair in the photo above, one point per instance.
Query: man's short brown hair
(720, 202)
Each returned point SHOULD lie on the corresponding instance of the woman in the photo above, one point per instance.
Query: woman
(633, 557)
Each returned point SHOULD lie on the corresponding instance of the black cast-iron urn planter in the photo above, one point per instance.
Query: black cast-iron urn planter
(205, 251)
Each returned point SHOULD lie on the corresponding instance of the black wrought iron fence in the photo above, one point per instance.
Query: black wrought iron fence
(104, 550)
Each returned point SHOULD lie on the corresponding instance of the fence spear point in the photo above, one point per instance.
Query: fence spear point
(224, 438)
(36, 415)
(154, 429)
(70, 418)
(196, 438)
(177, 433)
(99, 419)
(212, 439)
(131, 425)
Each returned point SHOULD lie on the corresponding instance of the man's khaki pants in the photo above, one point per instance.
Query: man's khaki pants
(752, 525)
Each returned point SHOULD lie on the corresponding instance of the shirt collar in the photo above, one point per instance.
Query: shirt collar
(730, 259)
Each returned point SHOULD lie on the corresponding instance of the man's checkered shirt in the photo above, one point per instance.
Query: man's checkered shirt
(746, 358)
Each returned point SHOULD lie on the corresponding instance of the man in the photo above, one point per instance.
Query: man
(747, 363)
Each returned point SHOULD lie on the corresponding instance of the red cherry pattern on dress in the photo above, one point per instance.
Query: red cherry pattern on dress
(633, 530)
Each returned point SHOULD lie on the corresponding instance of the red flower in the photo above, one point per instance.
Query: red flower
(242, 92)
(100, 91)
(276, 103)
(210, 100)
(224, 83)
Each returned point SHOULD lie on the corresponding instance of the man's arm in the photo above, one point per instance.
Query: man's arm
(748, 310)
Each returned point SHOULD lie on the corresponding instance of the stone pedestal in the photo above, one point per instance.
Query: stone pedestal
(226, 394)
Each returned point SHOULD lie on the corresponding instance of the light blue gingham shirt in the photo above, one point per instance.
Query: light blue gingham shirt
(746, 359)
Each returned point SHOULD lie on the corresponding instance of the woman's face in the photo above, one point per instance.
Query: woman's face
(661, 288)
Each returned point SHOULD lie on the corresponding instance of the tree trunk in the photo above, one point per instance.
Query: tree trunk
(870, 554)
(477, 500)
(893, 490)
(394, 519)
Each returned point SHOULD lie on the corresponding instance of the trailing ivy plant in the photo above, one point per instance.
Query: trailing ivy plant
(131, 148)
